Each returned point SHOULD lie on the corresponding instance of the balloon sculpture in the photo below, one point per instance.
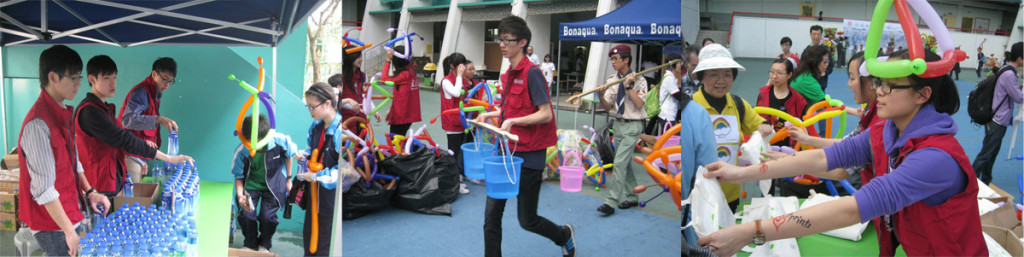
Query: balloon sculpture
(916, 65)
(266, 99)
(407, 37)
(346, 41)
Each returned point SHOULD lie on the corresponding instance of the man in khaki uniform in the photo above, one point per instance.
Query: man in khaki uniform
(626, 102)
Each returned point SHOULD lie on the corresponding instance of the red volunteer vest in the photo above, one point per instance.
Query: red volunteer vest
(154, 109)
(99, 160)
(952, 228)
(405, 101)
(353, 90)
(56, 117)
(516, 103)
(452, 122)
(796, 105)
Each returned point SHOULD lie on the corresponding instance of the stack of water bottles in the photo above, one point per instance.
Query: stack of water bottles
(140, 231)
(181, 187)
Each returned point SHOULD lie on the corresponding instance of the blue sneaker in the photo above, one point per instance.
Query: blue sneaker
(569, 249)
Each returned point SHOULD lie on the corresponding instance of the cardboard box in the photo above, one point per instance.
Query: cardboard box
(144, 194)
(9, 221)
(1004, 216)
(10, 160)
(1010, 242)
(8, 186)
(8, 202)
(233, 252)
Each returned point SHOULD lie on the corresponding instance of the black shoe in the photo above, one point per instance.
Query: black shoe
(627, 204)
(606, 209)
(569, 249)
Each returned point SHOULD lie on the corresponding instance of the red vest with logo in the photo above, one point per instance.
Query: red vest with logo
(100, 161)
(56, 117)
(796, 105)
(452, 122)
(952, 228)
(405, 101)
(516, 103)
(154, 109)
(353, 90)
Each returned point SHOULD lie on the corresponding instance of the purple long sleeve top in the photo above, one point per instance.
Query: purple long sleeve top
(1007, 92)
(928, 175)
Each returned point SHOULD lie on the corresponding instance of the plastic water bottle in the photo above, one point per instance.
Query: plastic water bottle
(172, 143)
(128, 186)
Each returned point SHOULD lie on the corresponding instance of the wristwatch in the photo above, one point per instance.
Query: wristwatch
(758, 236)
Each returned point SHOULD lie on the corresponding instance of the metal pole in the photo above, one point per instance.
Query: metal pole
(558, 68)
(3, 98)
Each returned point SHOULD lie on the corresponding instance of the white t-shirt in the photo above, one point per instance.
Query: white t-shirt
(669, 104)
(549, 72)
(534, 59)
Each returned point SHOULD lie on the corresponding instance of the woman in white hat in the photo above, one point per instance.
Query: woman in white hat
(730, 114)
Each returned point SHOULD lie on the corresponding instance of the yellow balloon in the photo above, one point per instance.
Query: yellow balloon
(821, 116)
(781, 114)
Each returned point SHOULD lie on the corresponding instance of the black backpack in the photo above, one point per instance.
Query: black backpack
(979, 101)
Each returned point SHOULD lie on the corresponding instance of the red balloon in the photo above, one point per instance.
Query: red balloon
(909, 28)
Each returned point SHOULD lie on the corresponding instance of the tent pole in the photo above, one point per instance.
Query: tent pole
(558, 69)
(273, 77)
(3, 99)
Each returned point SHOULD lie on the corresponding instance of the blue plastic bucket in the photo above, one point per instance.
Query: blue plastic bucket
(473, 155)
(502, 176)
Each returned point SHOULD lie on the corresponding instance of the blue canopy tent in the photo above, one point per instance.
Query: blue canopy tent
(127, 23)
(655, 21)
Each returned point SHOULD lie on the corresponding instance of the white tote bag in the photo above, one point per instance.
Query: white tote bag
(709, 210)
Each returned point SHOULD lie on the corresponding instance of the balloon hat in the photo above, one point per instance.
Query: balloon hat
(346, 41)
(916, 65)
(266, 99)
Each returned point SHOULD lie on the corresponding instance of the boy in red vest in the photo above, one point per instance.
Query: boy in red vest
(101, 141)
(140, 112)
(526, 112)
(51, 208)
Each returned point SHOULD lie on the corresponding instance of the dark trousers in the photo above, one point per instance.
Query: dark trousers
(400, 129)
(978, 71)
(52, 242)
(455, 142)
(529, 192)
(654, 126)
(989, 149)
(259, 229)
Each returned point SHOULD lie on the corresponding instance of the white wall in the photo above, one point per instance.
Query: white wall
(540, 29)
(471, 43)
(848, 9)
(425, 29)
(758, 38)
(374, 25)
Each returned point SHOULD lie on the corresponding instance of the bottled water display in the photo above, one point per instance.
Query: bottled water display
(181, 188)
(140, 231)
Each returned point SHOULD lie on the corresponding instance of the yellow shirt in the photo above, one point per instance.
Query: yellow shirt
(748, 125)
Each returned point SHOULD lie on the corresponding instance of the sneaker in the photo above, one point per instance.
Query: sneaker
(263, 249)
(463, 189)
(569, 249)
(248, 249)
(477, 181)
(627, 204)
(606, 209)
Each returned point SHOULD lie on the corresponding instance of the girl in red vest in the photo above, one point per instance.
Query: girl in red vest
(780, 96)
(351, 84)
(457, 80)
(922, 184)
(405, 101)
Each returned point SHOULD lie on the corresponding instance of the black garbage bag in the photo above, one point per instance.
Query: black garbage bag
(604, 144)
(427, 183)
(360, 200)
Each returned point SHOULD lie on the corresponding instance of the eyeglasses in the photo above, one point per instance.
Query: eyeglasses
(505, 41)
(74, 78)
(886, 86)
(314, 107)
(169, 81)
(614, 58)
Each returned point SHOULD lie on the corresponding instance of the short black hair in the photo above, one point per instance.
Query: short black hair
(944, 96)
(705, 41)
(59, 59)
(335, 80)
(100, 65)
(786, 40)
(816, 27)
(785, 62)
(1016, 51)
(262, 130)
(166, 64)
(400, 63)
(517, 27)
(673, 57)
(694, 48)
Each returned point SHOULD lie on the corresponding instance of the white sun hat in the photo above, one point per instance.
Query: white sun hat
(715, 56)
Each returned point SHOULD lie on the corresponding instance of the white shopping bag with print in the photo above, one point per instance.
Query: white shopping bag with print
(709, 210)
(852, 232)
(788, 247)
